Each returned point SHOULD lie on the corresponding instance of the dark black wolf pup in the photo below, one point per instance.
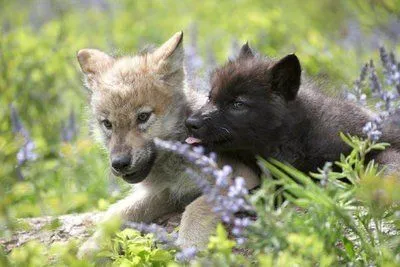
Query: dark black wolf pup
(258, 107)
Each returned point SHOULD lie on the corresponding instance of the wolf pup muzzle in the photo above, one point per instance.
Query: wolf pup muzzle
(121, 166)
(195, 125)
(207, 129)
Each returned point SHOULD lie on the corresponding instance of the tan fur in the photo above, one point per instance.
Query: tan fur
(197, 224)
(199, 221)
(122, 88)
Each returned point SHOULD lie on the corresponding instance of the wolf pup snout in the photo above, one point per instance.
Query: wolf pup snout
(133, 166)
(121, 163)
(194, 123)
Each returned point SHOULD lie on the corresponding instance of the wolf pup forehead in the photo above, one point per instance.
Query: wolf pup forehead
(241, 91)
(250, 74)
(126, 116)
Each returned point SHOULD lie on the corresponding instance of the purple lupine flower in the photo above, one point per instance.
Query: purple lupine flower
(357, 95)
(211, 61)
(159, 232)
(26, 152)
(388, 96)
(325, 173)
(239, 226)
(186, 254)
(168, 240)
(375, 84)
(390, 67)
(193, 61)
(202, 183)
(69, 129)
(227, 195)
(371, 129)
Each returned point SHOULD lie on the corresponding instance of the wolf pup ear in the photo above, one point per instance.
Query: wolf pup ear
(286, 76)
(93, 61)
(171, 54)
(246, 51)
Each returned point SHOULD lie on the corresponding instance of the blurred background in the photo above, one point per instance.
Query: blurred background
(50, 164)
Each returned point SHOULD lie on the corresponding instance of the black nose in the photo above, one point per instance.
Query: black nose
(194, 123)
(121, 162)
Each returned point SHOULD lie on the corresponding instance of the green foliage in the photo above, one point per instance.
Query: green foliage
(221, 252)
(333, 222)
(35, 254)
(132, 249)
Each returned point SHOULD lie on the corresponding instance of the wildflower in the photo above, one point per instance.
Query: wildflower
(227, 196)
(391, 67)
(168, 240)
(211, 61)
(26, 152)
(186, 254)
(325, 173)
(375, 85)
(160, 234)
(194, 63)
(371, 129)
(358, 96)
(388, 98)
(69, 129)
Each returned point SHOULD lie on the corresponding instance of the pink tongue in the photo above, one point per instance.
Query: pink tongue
(192, 140)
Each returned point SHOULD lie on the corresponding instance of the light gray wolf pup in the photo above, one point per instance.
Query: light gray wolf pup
(134, 99)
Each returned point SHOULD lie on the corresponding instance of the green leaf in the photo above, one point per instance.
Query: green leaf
(349, 247)
(161, 255)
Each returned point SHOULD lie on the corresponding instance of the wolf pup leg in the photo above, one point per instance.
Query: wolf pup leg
(199, 221)
(198, 224)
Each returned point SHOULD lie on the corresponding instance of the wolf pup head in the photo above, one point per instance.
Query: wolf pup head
(247, 102)
(134, 99)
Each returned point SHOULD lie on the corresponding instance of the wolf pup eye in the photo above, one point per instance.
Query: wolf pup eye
(107, 124)
(238, 105)
(143, 117)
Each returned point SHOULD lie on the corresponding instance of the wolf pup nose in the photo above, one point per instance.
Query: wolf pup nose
(121, 163)
(194, 124)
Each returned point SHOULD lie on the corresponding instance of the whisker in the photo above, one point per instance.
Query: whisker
(225, 129)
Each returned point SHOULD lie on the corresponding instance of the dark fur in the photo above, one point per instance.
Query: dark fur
(278, 118)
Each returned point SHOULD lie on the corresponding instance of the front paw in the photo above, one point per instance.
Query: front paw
(88, 249)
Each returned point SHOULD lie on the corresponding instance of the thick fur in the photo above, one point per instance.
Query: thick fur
(121, 91)
(257, 107)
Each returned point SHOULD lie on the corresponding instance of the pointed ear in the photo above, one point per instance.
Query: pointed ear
(286, 76)
(93, 61)
(171, 54)
(246, 51)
